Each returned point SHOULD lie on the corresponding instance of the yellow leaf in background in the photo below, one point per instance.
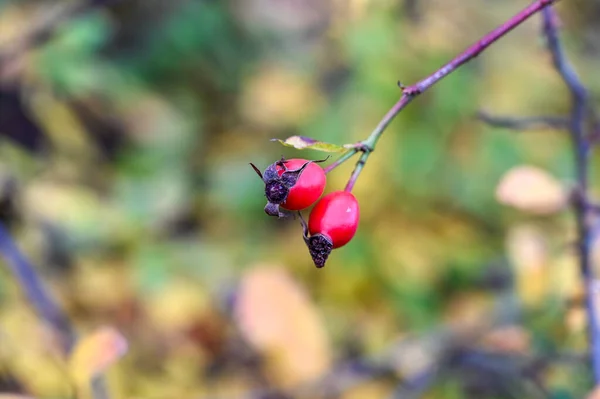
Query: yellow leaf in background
(531, 189)
(62, 125)
(576, 320)
(528, 253)
(566, 279)
(178, 305)
(30, 351)
(96, 352)
(369, 389)
(277, 96)
(275, 315)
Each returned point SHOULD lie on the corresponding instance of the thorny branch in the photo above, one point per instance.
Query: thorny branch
(410, 92)
(526, 123)
(582, 143)
(581, 147)
(575, 124)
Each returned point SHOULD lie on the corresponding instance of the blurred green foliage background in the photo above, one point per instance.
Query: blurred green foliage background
(126, 182)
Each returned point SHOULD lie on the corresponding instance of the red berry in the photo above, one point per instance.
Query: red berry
(293, 184)
(335, 216)
(309, 186)
(332, 224)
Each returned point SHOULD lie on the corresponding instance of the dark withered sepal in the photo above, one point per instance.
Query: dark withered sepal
(277, 187)
(319, 247)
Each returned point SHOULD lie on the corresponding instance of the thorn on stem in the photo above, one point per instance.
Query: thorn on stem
(411, 90)
(258, 172)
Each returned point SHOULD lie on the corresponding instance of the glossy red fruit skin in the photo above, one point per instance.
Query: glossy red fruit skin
(335, 216)
(308, 188)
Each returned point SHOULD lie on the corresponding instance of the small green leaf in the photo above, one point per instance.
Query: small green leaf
(303, 142)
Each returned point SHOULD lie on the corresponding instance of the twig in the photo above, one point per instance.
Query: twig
(43, 303)
(418, 385)
(37, 295)
(410, 92)
(527, 123)
(347, 155)
(579, 98)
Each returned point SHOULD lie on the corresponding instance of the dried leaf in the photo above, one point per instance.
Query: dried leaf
(508, 339)
(595, 394)
(276, 317)
(303, 142)
(369, 389)
(576, 321)
(531, 189)
(95, 353)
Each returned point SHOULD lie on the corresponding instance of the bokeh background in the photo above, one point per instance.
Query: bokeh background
(125, 136)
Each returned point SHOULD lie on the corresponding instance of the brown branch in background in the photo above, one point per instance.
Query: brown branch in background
(12, 61)
(36, 293)
(581, 147)
(524, 123)
(582, 143)
(594, 139)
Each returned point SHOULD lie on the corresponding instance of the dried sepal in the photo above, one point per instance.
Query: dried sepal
(278, 183)
(319, 245)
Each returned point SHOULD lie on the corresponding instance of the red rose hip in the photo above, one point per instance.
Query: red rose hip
(293, 184)
(332, 224)
(308, 188)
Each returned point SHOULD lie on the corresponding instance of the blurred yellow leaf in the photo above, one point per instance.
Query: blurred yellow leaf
(528, 252)
(178, 306)
(277, 96)
(95, 353)
(62, 125)
(277, 318)
(30, 349)
(73, 207)
(369, 389)
(531, 189)
(576, 320)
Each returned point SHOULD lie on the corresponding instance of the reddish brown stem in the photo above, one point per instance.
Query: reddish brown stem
(410, 92)
(478, 47)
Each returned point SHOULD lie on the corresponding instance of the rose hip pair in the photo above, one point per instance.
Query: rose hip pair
(295, 184)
